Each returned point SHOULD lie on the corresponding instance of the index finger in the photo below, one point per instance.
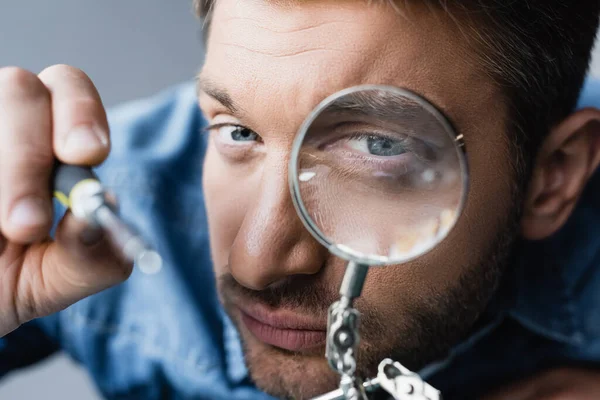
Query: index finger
(80, 126)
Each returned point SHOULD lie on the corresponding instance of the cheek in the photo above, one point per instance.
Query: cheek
(469, 246)
(227, 191)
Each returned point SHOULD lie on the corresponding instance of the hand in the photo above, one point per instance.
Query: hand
(558, 384)
(56, 114)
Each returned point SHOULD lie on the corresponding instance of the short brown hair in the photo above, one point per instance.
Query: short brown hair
(537, 51)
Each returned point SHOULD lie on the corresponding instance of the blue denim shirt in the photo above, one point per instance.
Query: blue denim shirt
(166, 336)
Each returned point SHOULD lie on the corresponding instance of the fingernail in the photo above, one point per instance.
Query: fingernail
(30, 212)
(91, 236)
(84, 138)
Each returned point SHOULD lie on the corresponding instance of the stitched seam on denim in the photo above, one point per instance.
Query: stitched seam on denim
(436, 367)
(541, 330)
(100, 328)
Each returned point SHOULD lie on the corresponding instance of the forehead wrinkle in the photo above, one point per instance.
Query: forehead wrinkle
(300, 29)
(289, 86)
(294, 53)
(436, 69)
(298, 74)
(288, 36)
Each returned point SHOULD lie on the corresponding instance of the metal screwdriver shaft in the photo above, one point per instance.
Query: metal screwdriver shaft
(79, 189)
(132, 246)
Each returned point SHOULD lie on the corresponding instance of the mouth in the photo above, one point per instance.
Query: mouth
(283, 328)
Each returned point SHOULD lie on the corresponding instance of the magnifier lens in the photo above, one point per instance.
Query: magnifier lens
(378, 175)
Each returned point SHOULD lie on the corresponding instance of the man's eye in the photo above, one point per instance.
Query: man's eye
(377, 146)
(234, 134)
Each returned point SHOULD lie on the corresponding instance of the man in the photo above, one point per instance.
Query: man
(507, 306)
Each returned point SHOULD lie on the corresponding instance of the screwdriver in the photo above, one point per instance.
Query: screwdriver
(79, 189)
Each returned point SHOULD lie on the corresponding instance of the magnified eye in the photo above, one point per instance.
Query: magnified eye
(377, 146)
(234, 133)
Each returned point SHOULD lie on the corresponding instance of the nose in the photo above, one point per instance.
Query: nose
(272, 243)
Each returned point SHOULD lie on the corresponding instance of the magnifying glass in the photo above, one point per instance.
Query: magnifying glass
(379, 177)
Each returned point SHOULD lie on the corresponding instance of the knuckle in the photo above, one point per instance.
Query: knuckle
(20, 83)
(34, 156)
(26, 309)
(34, 297)
(16, 288)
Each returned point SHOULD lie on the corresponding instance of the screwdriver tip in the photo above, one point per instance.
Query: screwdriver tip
(149, 262)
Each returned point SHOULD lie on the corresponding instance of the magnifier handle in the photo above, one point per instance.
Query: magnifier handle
(354, 279)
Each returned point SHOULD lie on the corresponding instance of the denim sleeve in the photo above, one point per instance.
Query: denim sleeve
(25, 346)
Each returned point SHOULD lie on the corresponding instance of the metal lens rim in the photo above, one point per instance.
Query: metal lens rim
(293, 178)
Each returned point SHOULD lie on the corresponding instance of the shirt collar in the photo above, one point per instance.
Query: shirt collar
(234, 355)
(551, 273)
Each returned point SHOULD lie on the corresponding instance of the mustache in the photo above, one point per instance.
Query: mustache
(301, 292)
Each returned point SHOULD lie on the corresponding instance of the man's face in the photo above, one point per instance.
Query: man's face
(268, 64)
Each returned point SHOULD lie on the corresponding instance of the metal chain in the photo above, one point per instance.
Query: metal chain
(342, 332)
(342, 342)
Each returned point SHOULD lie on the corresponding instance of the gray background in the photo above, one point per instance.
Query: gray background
(130, 48)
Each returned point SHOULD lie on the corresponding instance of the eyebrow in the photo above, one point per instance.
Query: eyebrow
(388, 106)
(378, 104)
(392, 107)
(208, 86)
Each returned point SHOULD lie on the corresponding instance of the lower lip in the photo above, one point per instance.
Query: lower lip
(288, 339)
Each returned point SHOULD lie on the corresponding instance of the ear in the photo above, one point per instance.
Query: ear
(566, 161)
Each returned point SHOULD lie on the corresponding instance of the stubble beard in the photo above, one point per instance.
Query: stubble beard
(423, 333)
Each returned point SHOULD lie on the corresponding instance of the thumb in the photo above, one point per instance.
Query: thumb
(81, 261)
